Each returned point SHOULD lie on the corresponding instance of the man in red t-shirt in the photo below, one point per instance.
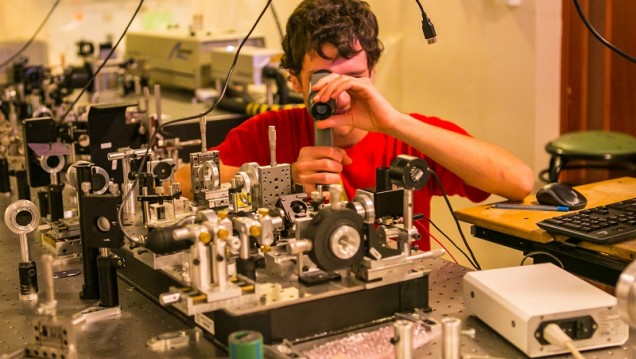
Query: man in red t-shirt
(341, 36)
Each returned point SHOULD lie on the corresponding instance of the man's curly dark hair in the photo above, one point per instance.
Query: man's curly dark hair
(340, 23)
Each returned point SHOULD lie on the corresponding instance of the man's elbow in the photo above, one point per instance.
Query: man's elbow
(523, 184)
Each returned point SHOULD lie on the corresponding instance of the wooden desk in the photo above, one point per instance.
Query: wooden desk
(517, 229)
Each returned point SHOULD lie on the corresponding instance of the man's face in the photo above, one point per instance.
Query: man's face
(355, 67)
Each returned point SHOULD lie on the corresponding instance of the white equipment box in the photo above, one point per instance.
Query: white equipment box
(249, 65)
(180, 59)
(518, 302)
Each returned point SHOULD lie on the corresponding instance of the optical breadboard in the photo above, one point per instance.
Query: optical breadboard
(519, 302)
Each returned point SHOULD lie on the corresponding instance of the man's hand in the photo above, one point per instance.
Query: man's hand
(359, 104)
(319, 165)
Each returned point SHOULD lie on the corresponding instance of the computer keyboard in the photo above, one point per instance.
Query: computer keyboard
(611, 223)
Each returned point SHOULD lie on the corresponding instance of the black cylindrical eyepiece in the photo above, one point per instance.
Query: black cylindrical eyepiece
(319, 110)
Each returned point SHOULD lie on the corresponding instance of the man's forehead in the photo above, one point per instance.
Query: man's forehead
(314, 61)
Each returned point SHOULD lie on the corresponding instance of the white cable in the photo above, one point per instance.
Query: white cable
(555, 335)
(575, 353)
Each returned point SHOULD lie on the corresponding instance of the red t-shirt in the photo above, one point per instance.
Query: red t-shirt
(294, 130)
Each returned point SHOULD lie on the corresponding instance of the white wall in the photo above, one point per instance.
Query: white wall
(495, 69)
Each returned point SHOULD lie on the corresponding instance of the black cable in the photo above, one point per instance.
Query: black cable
(459, 228)
(279, 26)
(159, 129)
(452, 242)
(427, 26)
(28, 43)
(421, 7)
(110, 54)
(534, 253)
(598, 36)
